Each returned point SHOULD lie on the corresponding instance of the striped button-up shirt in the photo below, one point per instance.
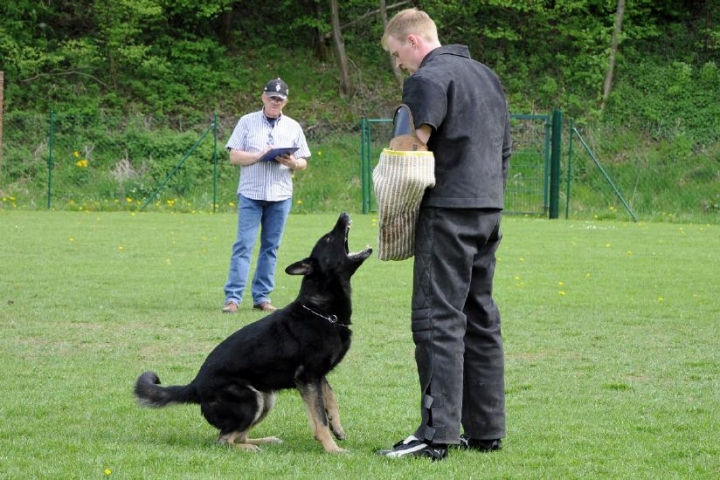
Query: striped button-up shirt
(269, 181)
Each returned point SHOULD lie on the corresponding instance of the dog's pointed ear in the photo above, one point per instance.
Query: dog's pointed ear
(303, 267)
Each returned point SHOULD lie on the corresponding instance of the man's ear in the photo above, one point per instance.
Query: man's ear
(303, 267)
(413, 40)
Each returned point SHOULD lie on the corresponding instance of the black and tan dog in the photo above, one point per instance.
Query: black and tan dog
(295, 347)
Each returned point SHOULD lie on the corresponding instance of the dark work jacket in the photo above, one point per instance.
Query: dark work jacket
(463, 101)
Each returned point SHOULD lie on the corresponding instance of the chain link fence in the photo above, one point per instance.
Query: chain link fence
(99, 162)
(616, 173)
(75, 162)
(106, 162)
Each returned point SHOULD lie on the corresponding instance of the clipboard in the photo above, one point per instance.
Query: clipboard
(277, 152)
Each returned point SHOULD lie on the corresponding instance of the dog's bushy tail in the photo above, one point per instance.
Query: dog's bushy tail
(150, 394)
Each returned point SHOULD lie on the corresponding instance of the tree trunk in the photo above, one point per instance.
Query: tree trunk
(224, 29)
(346, 86)
(2, 100)
(322, 41)
(613, 51)
(393, 66)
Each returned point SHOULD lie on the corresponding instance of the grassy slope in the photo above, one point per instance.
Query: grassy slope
(610, 332)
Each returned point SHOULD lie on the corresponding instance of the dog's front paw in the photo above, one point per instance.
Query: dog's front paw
(336, 450)
(246, 447)
(336, 428)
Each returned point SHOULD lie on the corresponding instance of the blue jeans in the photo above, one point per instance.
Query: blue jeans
(271, 218)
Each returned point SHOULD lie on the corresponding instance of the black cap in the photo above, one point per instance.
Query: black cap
(276, 88)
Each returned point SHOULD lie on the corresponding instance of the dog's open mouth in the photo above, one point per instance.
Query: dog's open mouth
(362, 254)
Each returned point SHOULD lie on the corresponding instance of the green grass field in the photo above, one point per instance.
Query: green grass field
(611, 331)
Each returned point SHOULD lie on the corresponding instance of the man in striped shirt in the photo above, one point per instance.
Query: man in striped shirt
(264, 193)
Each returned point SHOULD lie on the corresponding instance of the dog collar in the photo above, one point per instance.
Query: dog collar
(332, 318)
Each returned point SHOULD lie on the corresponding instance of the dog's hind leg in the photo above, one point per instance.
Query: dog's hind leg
(312, 395)
(267, 401)
(242, 408)
(333, 412)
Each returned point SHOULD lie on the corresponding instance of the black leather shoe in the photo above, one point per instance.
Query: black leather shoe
(467, 443)
(412, 447)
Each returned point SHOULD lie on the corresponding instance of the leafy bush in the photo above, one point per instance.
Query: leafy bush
(668, 101)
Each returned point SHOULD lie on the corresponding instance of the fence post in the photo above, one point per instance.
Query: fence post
(569, 169)
(51, 164)
(555, 163)
(363, 166)
(215, 160)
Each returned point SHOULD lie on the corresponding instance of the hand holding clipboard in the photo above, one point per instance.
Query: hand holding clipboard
(277, 152)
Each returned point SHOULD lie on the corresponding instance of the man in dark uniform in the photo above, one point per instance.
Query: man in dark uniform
(460, 111)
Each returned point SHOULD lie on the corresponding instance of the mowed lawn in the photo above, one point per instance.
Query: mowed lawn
(611, 331)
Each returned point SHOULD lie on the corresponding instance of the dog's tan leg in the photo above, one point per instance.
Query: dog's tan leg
(263, 440)
(266, 402)
(312, 396)
(240, 441)
(237, 440)
(333, 412)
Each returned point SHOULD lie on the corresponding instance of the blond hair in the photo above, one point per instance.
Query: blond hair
(408, 22)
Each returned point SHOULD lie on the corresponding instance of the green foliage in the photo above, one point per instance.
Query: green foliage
(669, 100)
(175, 59)
(191, 11)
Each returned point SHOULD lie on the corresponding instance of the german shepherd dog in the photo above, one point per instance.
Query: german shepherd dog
(294, 347)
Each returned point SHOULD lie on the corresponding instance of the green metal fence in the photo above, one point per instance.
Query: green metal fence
(110, 162)
(113, 162)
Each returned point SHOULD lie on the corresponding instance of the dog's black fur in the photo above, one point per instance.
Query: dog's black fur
(295, 347)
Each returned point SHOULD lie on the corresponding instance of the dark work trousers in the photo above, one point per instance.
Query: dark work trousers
(456, 325)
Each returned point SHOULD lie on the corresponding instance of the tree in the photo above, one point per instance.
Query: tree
(613, 50)
(346, 85)
(393, 65)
